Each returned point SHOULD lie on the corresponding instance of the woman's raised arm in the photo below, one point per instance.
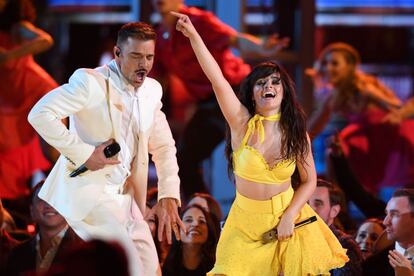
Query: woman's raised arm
(230, 105)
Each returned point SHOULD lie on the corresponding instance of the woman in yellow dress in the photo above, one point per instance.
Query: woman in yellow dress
(268, 140)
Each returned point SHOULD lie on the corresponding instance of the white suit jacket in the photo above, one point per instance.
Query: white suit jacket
(83, 99)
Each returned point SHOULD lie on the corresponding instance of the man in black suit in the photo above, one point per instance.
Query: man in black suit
(399, 226)
(46, 248)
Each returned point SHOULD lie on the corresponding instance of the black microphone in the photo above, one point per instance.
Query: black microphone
(109, 151)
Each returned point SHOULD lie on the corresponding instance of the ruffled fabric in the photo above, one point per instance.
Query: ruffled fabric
(313, 249)
(367, 138)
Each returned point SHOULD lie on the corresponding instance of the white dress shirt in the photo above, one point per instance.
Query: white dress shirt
(129, 130)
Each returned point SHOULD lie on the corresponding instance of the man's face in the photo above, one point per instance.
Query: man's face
(165, 6)
(135, 58)
(399, 221)
(319, 201)
(45, 215)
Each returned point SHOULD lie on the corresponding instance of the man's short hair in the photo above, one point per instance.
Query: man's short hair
(336, 196)
(137, 30)
(409, 193)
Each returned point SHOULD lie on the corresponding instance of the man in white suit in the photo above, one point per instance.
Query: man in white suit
(116, 102)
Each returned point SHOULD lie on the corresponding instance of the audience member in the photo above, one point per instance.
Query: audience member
(364, 101)
(368, 233)
(93, 258)
(195, 254)
(327, 200)
(7, 243)
(399, 226)
(208, 202)
(177, 65)
(47, 247)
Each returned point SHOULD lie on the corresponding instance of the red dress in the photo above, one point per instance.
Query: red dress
(22, 83)
(379, 154)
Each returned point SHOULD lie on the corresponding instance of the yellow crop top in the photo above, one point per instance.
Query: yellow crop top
(250, 164)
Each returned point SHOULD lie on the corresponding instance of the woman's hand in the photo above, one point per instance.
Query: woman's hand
(184, 25)
(285, 227)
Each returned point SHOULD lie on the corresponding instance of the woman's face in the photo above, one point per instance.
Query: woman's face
(196, 227)
(367, 234)
(268, 94)
(336, 68)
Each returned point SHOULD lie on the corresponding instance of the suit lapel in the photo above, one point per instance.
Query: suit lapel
(116, 108)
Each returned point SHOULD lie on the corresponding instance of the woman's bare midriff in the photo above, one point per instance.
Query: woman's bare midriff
(259, 191)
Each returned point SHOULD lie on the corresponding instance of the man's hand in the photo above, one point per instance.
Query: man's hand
(168, 218)
(401, 265)
(98, 159)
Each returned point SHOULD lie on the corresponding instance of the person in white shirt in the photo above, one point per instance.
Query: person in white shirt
(399, 227)
(113, 103)
(399, 224)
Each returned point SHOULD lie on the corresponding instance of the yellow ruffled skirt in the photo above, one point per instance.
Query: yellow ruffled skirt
(312, 250)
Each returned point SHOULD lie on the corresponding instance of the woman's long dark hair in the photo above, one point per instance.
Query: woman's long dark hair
(292, 121)
(16, 11)
(173, 262)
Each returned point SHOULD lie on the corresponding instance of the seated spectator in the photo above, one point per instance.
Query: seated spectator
(399, 226)
(195, 253)
(90, 258)
(7, 243)
(46, 248)
(326, 200)
(208, 202)
(368, 233)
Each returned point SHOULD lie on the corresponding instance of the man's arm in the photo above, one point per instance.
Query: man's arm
(46, 118)
(162, 148)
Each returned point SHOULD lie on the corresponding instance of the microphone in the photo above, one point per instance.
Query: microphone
(109, 151)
